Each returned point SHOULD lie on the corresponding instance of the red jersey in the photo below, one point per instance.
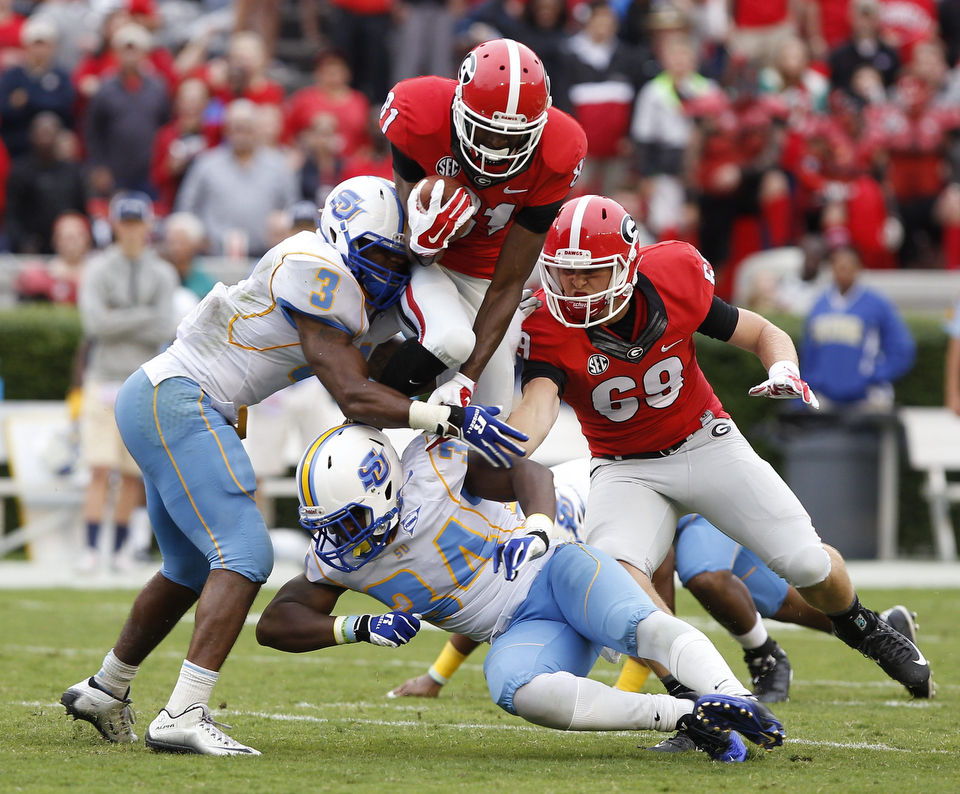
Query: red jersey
(416, 119)
(351, 111)
(642, 395)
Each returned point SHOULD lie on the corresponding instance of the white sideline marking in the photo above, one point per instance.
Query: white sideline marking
(473, 726)
(499, 726)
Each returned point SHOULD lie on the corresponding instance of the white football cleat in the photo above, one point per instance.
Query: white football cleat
(194, 731)
(110, 715)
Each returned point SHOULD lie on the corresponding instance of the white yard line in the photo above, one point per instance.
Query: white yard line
(499, 726)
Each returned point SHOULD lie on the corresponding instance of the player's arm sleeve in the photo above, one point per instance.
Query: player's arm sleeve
(538, 219)
(406, 167)
(542, 369)
(721, 320)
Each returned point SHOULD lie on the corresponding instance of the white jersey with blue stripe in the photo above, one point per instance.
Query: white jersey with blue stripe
(439, 565)
(240, 344)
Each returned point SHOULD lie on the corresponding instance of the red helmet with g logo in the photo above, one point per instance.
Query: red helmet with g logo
(500, 107)
(589, 234)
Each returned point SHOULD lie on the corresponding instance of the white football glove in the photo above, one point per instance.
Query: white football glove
(784, 383)
(529, 303)
(430, 231)
(456, 391)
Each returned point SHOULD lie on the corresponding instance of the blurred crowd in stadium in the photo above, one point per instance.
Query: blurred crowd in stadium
(738, 126)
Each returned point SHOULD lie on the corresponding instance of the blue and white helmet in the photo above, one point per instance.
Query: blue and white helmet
(348, 482)
(360, 214)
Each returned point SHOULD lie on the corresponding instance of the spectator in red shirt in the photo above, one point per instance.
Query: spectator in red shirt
(240, 74)
(761, 26)
(826, 25)
(10, 25)
(736, 154)
(179, 141)
(909, 136)
(331, 93)
(905, 23)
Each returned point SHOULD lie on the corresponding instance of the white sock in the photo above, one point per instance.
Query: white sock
(687, 653)
(194, 685)
(115, 676)
(568, 703)
(753, 638)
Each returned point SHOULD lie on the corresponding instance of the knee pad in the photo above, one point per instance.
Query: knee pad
(656, 635)
(453, 346)
(550, 700)
(803, 567)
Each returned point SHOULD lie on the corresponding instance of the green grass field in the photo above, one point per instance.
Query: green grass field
(323, 724)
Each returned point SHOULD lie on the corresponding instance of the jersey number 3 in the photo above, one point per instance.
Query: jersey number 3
(661, 388)
(323, 298)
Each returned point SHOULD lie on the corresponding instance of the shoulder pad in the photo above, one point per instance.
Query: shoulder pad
(422, 105)
(564, 143)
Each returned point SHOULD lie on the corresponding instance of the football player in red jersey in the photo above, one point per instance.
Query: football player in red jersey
(493, 130)
(615, 341)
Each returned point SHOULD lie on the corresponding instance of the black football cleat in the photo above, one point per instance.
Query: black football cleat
(770, 673)
(899, 658)
(720, 744)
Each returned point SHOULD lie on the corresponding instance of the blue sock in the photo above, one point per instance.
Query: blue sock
(93, 532)
(120, 537)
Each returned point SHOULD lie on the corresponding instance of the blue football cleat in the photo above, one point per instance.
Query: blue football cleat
(722, 713)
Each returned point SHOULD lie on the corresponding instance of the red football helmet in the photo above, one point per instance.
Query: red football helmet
(589, 233)
(503, 94)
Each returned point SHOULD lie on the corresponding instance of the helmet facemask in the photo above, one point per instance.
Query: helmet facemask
(583, 311)
(384, 287)
(350, 537)
(524, 137)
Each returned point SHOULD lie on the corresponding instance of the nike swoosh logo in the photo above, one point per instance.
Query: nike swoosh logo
(921, 661)
(513, 190)
(665, 348)
(435, 238)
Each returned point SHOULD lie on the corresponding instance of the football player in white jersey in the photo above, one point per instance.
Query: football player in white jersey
(305, 310)
(426, 537)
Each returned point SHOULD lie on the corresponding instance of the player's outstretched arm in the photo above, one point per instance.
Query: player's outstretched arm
(298, 619)
(774, 347)
(537, 411)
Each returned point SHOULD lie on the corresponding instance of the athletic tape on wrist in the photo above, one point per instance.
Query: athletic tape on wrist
(344, 629)
(432, 418)
(437, 678)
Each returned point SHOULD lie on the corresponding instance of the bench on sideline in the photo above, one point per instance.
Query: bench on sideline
(933, 446)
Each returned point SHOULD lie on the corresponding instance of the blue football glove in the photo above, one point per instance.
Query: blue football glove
(517, 552)
(478, 426)
(391, 630)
